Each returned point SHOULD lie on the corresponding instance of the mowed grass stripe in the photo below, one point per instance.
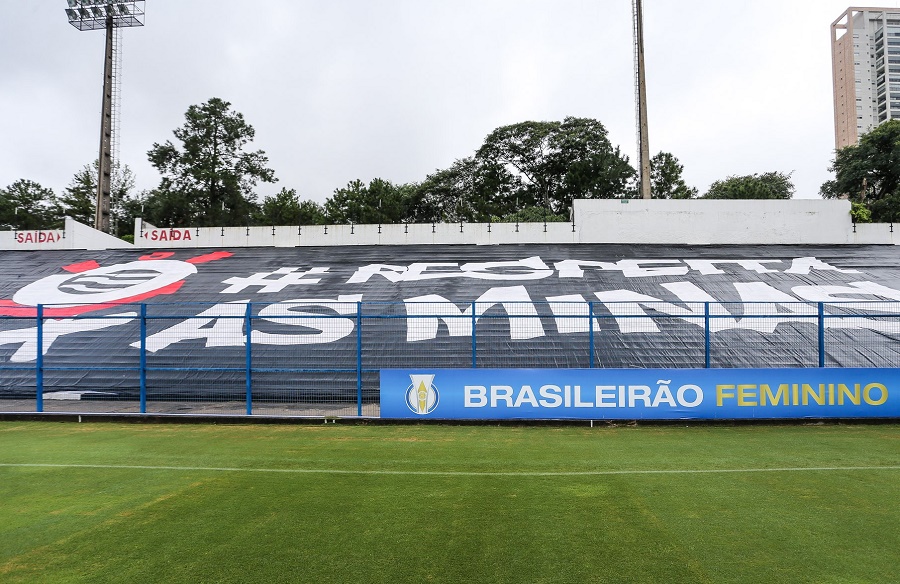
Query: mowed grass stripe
(450, 473)
(164, 503)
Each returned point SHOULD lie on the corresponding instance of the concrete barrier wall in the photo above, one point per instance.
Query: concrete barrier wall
(74, 236)
(701, 222)
(875, 233)
(692, 222)
(149, 236)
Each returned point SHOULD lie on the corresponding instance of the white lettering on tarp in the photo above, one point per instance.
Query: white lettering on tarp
(532, 268)
(570, 313)
(283, 277)
(805, 265)
(427, 312)
(762, 304)
(628, 308)
(390, 273)
(834, 295)
(420, 271)
(708, 267)
(54, 329)
(642, 268)
(224, 332)
(629, 268)
(764, 307)
(328, 329)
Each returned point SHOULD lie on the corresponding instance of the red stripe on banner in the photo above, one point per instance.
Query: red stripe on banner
(81, 267)
(10, 308)
(219, 255)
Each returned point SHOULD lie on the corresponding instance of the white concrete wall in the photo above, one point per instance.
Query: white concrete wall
(83, 237)
(875, 233)
(708, 222)
(691, 222)
(148, 236)
(74, 236)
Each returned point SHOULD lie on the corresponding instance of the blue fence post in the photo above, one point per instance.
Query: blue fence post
(706, 333)
(248, 344)
(474, 340)
(359, 359)
(821, 334)
(39, 360)
(591, 331)
(143, 370)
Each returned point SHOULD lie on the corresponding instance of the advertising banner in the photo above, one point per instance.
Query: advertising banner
(639, 394)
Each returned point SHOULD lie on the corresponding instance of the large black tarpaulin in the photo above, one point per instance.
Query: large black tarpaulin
(313, 309)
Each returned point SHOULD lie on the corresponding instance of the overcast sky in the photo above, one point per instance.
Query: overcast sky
(395, 89)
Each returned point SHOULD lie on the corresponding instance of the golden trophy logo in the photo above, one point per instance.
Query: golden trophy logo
(422, 396)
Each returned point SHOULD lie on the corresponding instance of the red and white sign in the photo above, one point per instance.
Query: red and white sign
(168, 235)
(32, 237)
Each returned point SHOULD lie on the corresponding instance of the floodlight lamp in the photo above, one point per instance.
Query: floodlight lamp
(73, 15)
(123, 10)
(84, 13)
(73, 3)
(97, 12)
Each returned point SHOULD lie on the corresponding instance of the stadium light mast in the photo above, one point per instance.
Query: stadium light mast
(641, 99)
(106, 15)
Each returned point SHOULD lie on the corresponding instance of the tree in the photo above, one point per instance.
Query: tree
(769, 185)
(592, 168)
(532, 215)
(79, 200)
(286, 208)
(470, 190)
(209, 180)
(869, 172)
(27, 205)
(378, 202)
(552, 163)
(666, 180)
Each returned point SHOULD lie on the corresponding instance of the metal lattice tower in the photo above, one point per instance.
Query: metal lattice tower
(109, 15)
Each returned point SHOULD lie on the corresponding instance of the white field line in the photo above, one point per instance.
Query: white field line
(451, 473)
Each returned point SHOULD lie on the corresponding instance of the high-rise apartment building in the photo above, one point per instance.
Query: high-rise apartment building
(865, 50)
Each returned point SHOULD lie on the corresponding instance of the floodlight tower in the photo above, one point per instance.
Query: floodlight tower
(109, 15)
(641, 99)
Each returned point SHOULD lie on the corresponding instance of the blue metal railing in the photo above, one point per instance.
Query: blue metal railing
(812, 336)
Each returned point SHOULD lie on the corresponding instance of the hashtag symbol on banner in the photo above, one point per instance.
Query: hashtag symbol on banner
(276, 281)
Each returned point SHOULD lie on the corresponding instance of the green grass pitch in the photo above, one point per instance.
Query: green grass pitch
(214, 503)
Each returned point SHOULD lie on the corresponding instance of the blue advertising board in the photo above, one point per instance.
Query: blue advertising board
(639, 394)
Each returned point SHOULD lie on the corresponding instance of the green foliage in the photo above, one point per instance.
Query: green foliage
(769, 185)
(79, 200)
(209, 179)
(26, 205)
(470, 190)
(286, 208)
(666, 178)
(552, 163)
(860, 213)
(378, 202)
(869, 172)
(532, 215)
